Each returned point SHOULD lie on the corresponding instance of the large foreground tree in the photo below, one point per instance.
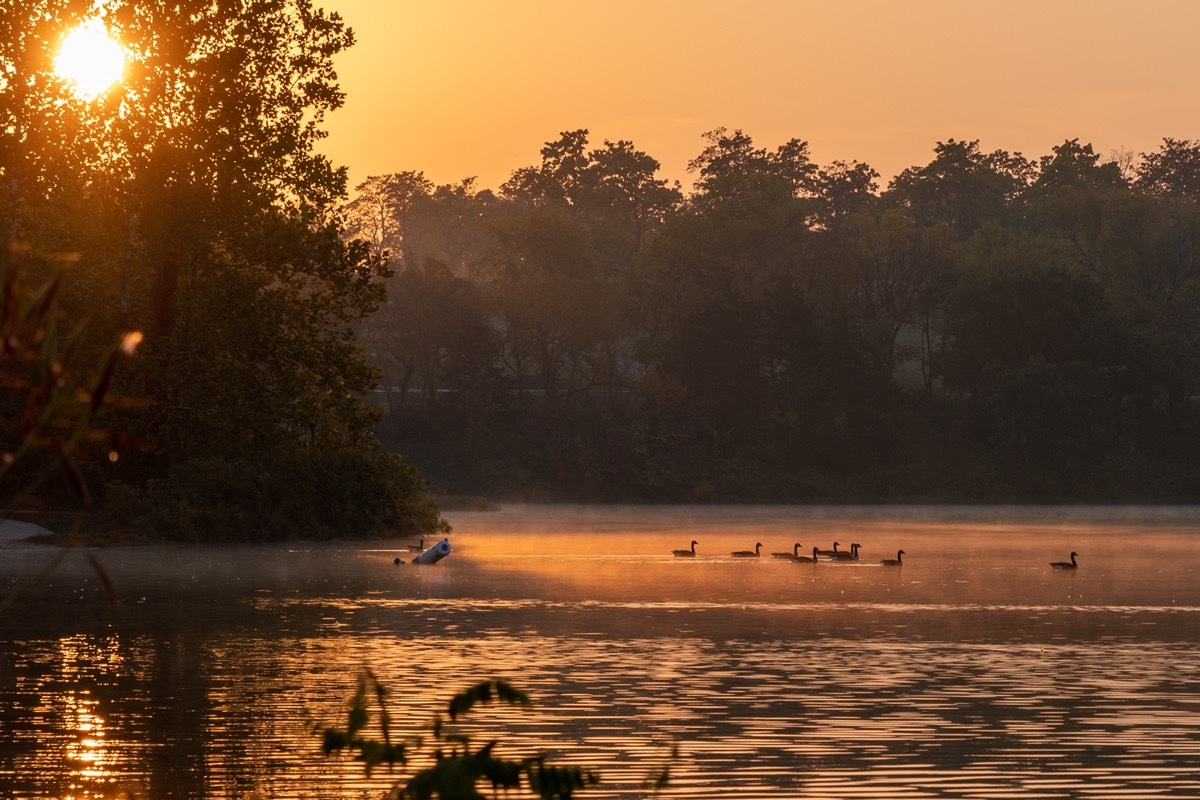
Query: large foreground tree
(194, 207)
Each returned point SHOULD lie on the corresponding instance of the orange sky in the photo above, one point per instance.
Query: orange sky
(460, 88)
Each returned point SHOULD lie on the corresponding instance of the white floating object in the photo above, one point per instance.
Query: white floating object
(434, 554)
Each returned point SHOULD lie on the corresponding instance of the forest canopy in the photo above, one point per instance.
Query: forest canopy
(985, 327)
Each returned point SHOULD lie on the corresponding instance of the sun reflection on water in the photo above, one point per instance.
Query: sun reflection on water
(81, 754)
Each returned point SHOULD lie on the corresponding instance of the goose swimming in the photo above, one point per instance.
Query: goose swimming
(792, 555)
(1066, 564)
(417, 548)
(748, 553)
(807, 559)
(894, 562)
(843, 555)
(686, 553)
(830, 553)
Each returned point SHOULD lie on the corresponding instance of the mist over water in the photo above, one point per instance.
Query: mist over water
(975, 670)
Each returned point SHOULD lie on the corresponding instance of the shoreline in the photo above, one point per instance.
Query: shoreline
(12, 530)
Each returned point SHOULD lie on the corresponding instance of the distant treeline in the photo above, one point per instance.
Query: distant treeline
(986, 327)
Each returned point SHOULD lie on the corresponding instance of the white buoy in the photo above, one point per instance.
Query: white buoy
(434, 554)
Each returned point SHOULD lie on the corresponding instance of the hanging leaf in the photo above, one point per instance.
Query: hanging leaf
(483, 693)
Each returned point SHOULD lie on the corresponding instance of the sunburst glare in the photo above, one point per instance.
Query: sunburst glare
(91, 59)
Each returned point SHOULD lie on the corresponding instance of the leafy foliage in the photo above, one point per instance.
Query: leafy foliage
(60, 410)
(294, 493)
(197, 210)
(58, 406)
(457, 770)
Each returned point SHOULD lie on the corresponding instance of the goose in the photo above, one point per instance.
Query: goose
(806, 559)
(792, 555)
(830, 553)
(748, 553)
(417, 548)
(842, 555)
(398, 561)
(894, 562)
(687, 553)
(1066, 564)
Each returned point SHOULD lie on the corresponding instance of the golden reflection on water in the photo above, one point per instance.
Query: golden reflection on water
(973, 671)
(86, 759)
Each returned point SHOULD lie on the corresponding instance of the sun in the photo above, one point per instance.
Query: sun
(90, 59)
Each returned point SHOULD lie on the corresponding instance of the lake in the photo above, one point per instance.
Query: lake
(974, 670)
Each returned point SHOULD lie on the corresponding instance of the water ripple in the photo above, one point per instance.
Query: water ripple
(996, 679)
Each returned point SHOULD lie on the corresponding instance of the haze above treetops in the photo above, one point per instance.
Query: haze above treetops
(474, 89)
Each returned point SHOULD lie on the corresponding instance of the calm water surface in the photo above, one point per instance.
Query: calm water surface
(973, 671)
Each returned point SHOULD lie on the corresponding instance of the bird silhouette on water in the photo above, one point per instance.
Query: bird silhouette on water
(686, 553)
(1072, 564)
